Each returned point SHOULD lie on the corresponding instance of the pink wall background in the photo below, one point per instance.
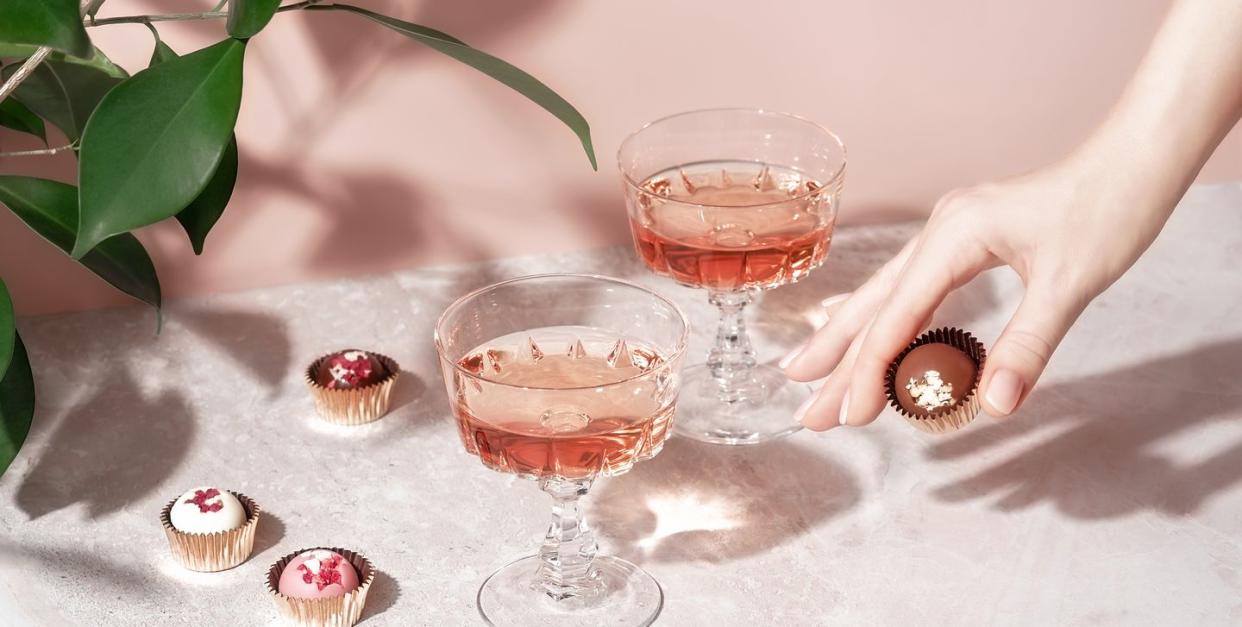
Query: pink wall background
(362, 151)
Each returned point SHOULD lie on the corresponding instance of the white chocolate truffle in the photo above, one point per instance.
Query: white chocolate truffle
(207, 510)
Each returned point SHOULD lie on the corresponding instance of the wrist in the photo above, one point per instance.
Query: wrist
(1124, 170)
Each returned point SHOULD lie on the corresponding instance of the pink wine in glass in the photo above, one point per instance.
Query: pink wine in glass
(729, 225)
(566, 402)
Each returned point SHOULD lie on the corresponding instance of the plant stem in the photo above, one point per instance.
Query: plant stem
(24, 71)
(41, 151)
(88, 5)
(38, 56)
(182, 17)
(167, 17)
(91, 7)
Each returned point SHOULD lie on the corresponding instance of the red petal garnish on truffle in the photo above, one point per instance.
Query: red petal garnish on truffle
(329, 573)
(202, 496)
(350, 369)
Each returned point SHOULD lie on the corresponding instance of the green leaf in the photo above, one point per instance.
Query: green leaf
(97, 60)
(50, 208)
(155, 141)
(16, 116)
(17, 402)
(8, 328)
(203, 212)
(502, 71)
(52, 23)
(162, 53)
(16, 50)
(248, 17)
(63, 93)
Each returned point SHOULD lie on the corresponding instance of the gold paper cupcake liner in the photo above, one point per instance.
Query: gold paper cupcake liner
(353, 406)
(213, 552)
(341, 611)
(953, 417)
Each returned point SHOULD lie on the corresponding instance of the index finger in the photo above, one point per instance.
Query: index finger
(940, 265)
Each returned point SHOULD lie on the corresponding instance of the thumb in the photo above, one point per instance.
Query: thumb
(1020, 355)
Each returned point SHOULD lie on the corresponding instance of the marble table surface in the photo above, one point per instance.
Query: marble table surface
(1115, 497)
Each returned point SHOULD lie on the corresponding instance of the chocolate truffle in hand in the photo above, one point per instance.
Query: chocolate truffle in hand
(318, 574)
(932, 377)
(350, 369)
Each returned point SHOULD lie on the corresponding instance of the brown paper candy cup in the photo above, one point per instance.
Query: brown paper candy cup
(953, 417)
(354, 406)
(212, 552)
(341, 611)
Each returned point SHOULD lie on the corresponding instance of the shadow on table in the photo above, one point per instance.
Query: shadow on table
(1100, 456)
(267, 535)
(699, 502)
(256, 341)
(82, 566)
(111, 449)
(384, 593)
(409, 388)
(413, 405)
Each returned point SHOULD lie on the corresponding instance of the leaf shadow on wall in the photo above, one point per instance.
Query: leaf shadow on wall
(701, 502)
(114, 447)
(352, 52)
(372, 219)
(390, 216)
(1098, 440)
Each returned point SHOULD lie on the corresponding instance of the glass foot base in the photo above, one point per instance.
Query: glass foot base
(626, 596)
(764, 410)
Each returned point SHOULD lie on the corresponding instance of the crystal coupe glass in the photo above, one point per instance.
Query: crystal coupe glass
(563, 378)
(733, 201)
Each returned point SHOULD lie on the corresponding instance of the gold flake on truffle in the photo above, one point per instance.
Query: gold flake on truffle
(929, 391)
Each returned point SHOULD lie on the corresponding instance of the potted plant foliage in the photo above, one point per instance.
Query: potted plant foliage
(172, 121)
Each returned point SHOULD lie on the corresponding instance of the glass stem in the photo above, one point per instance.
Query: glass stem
(732, 357)
(566, 557)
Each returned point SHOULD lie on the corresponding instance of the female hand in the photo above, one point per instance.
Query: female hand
(1068, 231)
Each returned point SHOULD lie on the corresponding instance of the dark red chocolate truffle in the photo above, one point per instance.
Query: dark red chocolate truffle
(932, 377)
(350, 369)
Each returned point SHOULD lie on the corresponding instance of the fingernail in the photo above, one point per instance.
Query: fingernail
(800, 413)
(793, 354)
(832, 300)
(845, 408)
(1004, 390)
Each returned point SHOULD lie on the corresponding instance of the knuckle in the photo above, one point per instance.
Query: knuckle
(954, 218)
(1029, 347)
(965, 200)
(951, 199)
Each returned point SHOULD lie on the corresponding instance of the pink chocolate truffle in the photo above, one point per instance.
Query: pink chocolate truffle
(318, 574)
